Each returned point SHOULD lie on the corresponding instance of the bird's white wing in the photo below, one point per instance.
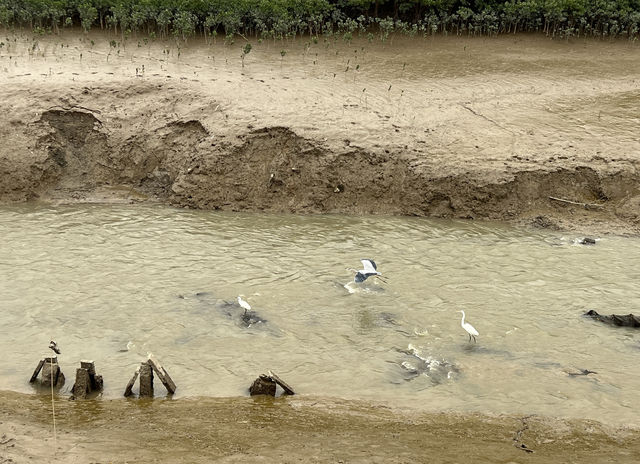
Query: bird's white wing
(244, 304)
(471, 329)
(369, 266)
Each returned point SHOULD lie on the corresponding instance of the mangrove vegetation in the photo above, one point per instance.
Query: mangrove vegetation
(347, 18)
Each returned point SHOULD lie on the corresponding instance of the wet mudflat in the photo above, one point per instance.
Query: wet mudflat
(453, 127)
(309, 429)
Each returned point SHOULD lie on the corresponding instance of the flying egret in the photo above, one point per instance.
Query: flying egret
(369, 269)
(469, 328)
(244, 304)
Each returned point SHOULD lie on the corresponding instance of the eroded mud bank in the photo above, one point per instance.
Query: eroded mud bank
(296, 138)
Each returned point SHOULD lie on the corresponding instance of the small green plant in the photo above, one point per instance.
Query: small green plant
(245, 51)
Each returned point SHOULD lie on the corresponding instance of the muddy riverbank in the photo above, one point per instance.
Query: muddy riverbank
(441, 127)
(297, 429)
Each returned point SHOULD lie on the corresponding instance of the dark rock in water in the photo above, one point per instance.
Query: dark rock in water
(250, 318)
(205, 302)
(263, 385)
(587, 241)
(388, 318)
(628, 320)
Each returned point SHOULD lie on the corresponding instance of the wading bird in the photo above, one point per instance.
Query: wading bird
(244, 304)
(54, 346)
(369, 269)
(469, 328)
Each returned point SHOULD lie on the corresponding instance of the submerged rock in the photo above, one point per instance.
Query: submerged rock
(628, 320)
(577, 372)
(588, 241)
(231, 309)
(416, 365)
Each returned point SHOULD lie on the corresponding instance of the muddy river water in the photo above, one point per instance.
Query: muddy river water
(113, 283)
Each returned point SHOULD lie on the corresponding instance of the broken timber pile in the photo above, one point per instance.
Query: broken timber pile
(86, 381)
(51, 373)
(266, 385)
(145, 371)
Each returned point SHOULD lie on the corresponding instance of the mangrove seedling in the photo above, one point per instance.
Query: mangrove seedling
(245, 51)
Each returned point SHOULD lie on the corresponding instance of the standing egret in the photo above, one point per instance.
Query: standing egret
(469, 328)
(369, 269)
(244, 304)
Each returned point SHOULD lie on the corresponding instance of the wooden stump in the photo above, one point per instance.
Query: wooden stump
(128, 390)
(86, 380)
(51, 373)
(162, 374)
(82, 387)
(37, 370)
(263, 385)
(287, 389)
(146, 380)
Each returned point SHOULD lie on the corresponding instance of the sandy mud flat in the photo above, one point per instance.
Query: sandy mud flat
(295, 429)
(445, 127)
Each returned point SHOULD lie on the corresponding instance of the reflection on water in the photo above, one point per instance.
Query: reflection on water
(115, 283)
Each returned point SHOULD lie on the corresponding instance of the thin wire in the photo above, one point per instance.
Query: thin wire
(53, 411)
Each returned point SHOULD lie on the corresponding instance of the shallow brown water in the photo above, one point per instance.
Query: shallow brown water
(114, 283)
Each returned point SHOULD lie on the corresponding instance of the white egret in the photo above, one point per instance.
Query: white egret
(468, 328)
(369, 269)
(244, 304)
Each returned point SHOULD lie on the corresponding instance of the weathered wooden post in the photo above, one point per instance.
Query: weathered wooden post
(162, 374)
(145, 372)
(263, 385)
(128, 391)
(50, 373)
(86, 380)
(266, 385)
(146, 380)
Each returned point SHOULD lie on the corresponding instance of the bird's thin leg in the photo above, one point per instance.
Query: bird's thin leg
(474, 339)
(381, 279)
(469, 338)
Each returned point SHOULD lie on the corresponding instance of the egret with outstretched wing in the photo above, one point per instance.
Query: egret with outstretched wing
(369, 269)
